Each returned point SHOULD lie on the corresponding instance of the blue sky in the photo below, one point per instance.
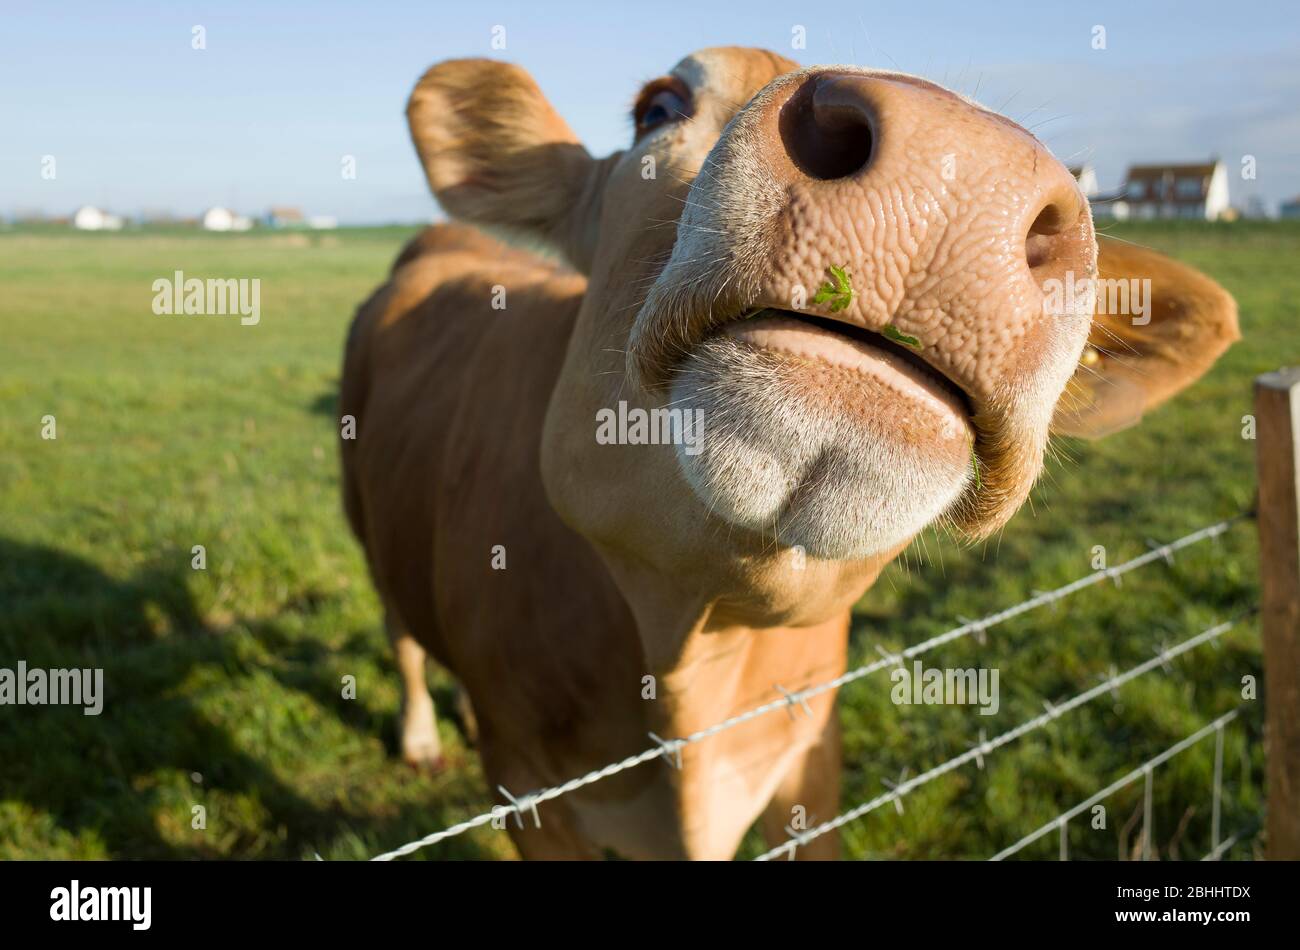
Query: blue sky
(137, 119)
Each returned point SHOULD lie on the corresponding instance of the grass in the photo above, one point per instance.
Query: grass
(224, 686)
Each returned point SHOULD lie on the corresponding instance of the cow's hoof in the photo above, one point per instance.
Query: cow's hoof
(421, 747)
(424, 756)
(429, 767)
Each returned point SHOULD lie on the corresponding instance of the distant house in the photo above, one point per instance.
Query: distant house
(1255, 209)
(164, 217)
(1086, 176)
(223, 219)
(1174, 191)
(322, 222)
(283, 217)
(90, 218)
(1289, 209)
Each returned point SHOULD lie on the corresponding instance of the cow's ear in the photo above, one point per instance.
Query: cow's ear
(497, 155)
(1158, 327)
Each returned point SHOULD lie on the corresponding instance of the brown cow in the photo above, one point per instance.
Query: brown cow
(848, 276)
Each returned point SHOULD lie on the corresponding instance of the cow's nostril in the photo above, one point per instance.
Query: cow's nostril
(1038, 250)
(1051, 220)
(1049, 237)
(825, 140)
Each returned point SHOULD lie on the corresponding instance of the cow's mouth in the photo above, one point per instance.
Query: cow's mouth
(847, 347)
(824, 434)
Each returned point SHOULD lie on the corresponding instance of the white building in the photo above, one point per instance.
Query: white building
(1086, 176)
(223, 219)
(1174, 191)
(90, 218)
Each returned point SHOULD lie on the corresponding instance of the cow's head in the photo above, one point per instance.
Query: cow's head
(873, 290)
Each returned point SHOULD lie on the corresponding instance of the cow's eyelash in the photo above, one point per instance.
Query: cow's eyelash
(654, 87)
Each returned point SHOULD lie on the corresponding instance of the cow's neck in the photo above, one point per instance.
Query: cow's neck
(679, 618)
(713, 657)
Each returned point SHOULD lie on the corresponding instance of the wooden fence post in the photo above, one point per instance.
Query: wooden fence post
(1277, 448)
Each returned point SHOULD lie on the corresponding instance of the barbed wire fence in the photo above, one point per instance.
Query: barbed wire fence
(670, 749)
(985, 747)
(1144, 771)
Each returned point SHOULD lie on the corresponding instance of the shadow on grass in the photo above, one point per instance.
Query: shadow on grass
(327, 403)
(124, 777)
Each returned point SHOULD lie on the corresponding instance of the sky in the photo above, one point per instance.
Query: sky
(136, 119)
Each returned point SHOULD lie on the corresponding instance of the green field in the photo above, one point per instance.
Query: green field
(223, 686)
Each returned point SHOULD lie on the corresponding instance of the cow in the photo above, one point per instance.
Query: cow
(851, 278)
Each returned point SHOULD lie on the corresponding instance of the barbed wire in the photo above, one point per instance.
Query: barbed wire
(1222, 847)
(670, 749)
(903, 787)
(1064, 817)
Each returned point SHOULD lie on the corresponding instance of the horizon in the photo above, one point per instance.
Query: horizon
(134, 119)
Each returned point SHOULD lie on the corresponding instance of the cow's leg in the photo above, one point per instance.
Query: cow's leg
(468, 719)
(558, 837)
(812, 783)
(556, 840)
(419, 728)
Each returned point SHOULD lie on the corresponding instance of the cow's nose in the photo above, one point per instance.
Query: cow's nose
(827, 125)
(888, 131)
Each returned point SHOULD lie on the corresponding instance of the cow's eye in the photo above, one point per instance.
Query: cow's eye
(662, 102)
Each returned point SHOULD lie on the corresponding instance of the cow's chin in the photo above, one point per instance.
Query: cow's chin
(815, 454)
